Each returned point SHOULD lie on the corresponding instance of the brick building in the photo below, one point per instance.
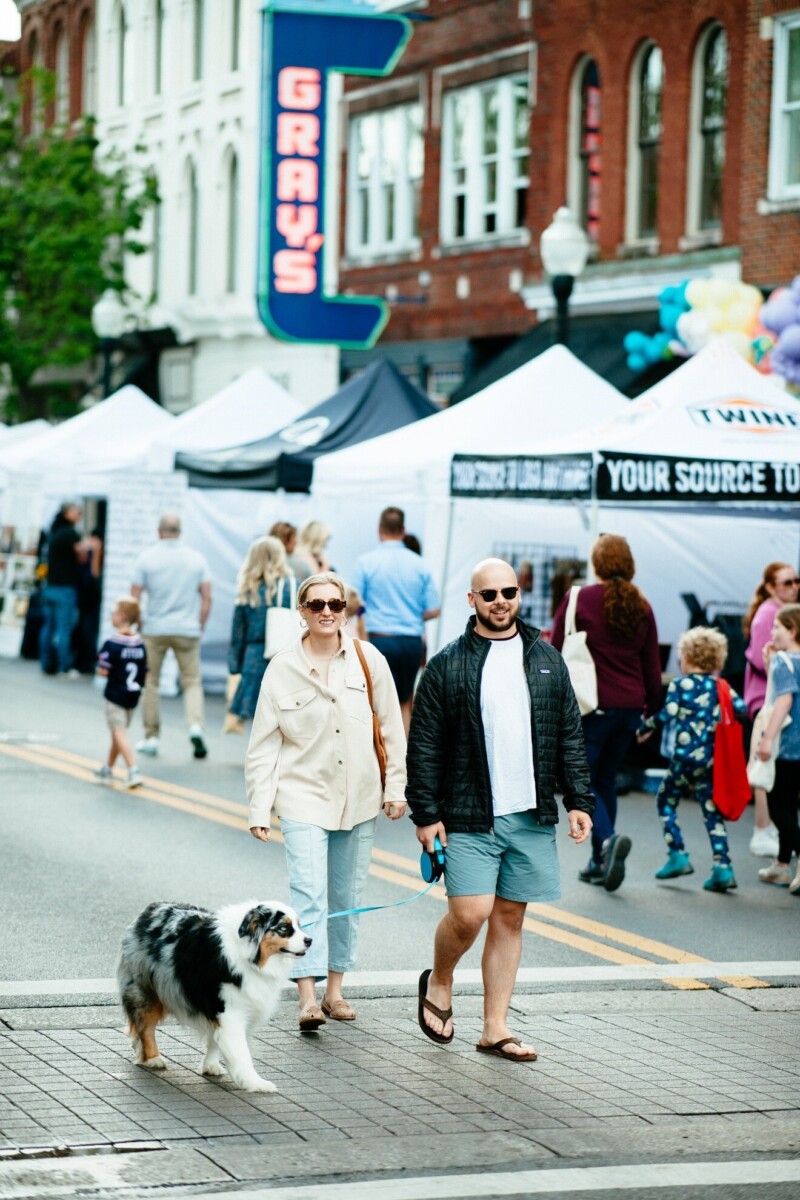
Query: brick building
(59, 35)
(671, 131)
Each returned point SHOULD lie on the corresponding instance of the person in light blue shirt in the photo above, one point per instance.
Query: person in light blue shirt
(399, 596)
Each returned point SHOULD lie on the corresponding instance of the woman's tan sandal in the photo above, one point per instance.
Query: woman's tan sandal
(311, 1018)
(338, 1010)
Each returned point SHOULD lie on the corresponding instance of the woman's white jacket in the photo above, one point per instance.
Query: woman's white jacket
(311, 756)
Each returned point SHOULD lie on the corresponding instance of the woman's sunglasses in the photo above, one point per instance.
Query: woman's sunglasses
(489, 594)
(319, 606)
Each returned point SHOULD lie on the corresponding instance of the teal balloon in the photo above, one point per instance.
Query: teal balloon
(636, 362)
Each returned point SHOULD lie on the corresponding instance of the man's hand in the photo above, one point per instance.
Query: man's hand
(643, 734)
(426, 834)
(580, 825)
(261, 832)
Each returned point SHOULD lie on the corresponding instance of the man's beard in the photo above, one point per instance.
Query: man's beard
(498, 624)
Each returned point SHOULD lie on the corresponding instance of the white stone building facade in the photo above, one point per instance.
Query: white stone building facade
(178, 90)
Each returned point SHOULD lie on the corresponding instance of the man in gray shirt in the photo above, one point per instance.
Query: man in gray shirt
(178, 586)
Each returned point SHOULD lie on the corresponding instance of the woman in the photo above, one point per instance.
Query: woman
(622, 638)
(778, 586)
(312, 760)
(285, 532)
(265, 581)
(311, 544)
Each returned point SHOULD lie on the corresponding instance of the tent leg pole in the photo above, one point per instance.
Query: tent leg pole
(445, 572)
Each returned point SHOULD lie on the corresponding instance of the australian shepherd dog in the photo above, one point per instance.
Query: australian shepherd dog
(218, 972)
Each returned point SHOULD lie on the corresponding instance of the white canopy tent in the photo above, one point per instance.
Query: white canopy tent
(549, 396)
(251, 407)
(701, 473)
(15, 435)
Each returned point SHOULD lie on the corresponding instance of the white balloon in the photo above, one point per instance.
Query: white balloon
(694, 330)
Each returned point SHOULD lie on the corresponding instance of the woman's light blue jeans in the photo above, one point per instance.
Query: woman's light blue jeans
(327, 872)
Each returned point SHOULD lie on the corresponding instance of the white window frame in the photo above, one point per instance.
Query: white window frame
(374, 190)
(779, 189)
(634, 172)
(509, 178)
(694, 177)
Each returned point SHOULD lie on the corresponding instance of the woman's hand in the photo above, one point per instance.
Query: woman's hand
(261, 832)
(643, 734)
(394, 809)
(764, 751)
(767, 653)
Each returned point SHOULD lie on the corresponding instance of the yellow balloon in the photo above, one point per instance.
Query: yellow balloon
(721, 292)
(697, 292)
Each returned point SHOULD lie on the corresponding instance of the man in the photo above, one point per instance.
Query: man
(66, 550)
(495, 727)
(178, 587)
(399, 596)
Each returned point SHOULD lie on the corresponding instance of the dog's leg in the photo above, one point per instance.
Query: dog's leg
(149, 1054)
(212, 1063)
(231, 1038)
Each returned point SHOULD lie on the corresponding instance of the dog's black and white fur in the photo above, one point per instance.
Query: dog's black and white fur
(218, 972)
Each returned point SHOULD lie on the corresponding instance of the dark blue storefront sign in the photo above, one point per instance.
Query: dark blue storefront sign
(303, 42)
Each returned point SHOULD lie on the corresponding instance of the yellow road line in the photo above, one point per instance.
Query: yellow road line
(231, 814)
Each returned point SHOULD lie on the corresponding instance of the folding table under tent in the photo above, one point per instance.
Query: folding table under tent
(701, 473)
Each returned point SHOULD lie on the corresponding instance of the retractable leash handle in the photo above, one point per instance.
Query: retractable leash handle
(432, 867)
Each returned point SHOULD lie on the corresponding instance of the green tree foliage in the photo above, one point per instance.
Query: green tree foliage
(67, 222)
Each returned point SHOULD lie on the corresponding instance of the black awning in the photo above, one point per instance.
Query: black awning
(375, 402)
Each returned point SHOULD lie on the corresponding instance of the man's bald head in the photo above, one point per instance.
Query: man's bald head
(493, 572)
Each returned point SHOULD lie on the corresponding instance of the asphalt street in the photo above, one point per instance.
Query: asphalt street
(666, 1018)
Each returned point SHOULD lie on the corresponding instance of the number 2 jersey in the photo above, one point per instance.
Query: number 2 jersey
(125, 659)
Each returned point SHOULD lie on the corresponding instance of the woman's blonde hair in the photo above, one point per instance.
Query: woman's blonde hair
(265, 563)
(789, 617)
(762, 593)
(313, 537)
(624, 606)
(315, 581)
(704, 648)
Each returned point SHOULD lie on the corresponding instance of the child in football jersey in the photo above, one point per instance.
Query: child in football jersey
(123, 662)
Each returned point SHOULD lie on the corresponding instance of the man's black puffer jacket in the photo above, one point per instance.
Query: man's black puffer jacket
(448, 772)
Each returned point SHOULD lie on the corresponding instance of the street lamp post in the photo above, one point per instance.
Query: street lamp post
(564, 250)
(108, 322)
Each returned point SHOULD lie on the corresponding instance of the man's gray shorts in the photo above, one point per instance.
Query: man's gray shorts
(518, 861)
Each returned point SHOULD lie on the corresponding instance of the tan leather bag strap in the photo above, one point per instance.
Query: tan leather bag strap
(365, 669)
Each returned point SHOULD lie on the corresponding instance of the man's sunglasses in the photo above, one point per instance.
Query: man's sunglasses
(489, 594)
(319, 606)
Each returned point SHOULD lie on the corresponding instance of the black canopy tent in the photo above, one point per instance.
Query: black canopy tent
(378, 401)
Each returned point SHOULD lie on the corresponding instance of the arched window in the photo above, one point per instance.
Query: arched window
(35, 61)
(123, 56)
(648, 140)
(61, 59)
(232, 231)
(586, 147)
(712, 78)
(236, 33)
(193, 230)
(158, 47)
(156, 246)
(198, 31)
(88, 69)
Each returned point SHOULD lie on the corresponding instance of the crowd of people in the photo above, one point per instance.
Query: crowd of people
(350, 720)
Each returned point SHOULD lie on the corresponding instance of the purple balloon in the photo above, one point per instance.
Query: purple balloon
(777, 314)
(787, 368)
(789, 342)
(794, 290)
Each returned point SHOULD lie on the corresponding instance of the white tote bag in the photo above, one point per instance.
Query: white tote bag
(283, 624)
(761, 774)
(576, 655)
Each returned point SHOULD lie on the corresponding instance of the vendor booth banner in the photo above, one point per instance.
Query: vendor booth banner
(650, 477)
(568, 477)
(303, 41)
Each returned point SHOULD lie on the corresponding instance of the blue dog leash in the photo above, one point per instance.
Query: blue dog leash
(431, 865)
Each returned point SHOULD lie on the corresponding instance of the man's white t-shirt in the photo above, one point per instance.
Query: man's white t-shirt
(506, 715)
(171, 574)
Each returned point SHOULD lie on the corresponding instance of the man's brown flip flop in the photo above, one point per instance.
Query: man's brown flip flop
(444, 1015)
(497, 1050)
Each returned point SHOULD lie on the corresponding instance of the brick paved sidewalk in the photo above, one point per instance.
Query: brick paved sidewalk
(621, 1074)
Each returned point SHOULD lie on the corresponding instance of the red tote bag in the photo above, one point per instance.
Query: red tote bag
(731, 792)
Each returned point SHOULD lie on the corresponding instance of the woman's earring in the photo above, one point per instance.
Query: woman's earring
(303, 623)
